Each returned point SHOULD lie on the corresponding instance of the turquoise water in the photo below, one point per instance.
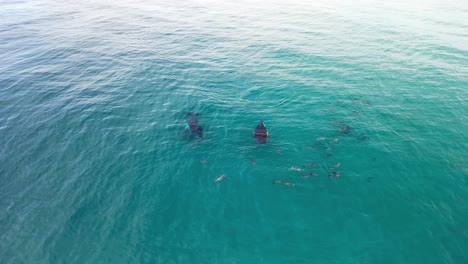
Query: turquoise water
(95, 167)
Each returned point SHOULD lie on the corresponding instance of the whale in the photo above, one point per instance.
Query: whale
(261, 133)
(192, 125)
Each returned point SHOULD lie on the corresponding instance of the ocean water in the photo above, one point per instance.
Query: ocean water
(95, 166)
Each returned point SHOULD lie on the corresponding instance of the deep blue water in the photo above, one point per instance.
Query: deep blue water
(95, 166)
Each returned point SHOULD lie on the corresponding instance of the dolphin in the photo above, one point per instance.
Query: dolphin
(290, 184)
(295, 169)
(261, 133)
(220, 178)
(192, 125)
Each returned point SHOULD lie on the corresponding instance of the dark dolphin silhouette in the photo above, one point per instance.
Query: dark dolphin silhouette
(192, 125)
(261, 133)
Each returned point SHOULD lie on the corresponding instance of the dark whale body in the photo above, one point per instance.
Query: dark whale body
(261, 133)
(193, 126)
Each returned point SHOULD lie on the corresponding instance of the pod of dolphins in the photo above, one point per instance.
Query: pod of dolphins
(193, 128)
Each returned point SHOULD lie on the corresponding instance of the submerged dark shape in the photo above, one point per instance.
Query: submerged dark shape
(363, 137)
(261, 133)
(278, 150)
(192, 125)
(346, 129)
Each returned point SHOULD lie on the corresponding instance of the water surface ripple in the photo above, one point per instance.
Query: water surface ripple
(95, 168)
